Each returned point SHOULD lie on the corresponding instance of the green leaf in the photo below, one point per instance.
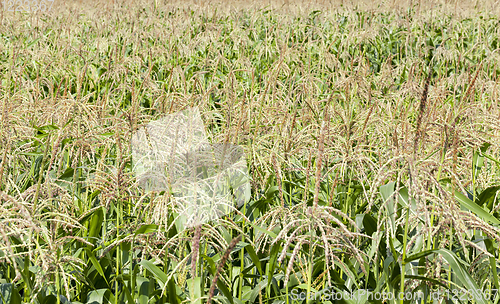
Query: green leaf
(32, 43)
(225, 291)
(465, 202)
(256, 290)
(99, 296)
(9, 294)
(387, 192)
(127, 293)
(487, 197)
(95, 225)
(146, 229)
(142, 290)
(96, 263)
(419, 277)
(457, 268)
(172, 292)
(478, 160)
(67, 174)
(212, 267)
(370, 224)
(273, 257)
(493, 264)
(270, 233)
(195, 290)
(156, 271)
(304, 286)
(270, 192)
(254, 257)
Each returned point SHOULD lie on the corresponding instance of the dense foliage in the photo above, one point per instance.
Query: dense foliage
(372, 140)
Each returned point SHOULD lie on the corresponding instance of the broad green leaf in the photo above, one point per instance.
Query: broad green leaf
(474, 208)
(99, 296)
(270, 233)
(95, 225)
(458, 270)
(387, 192)
(370, 224)
(397, 279)
(270, 192)
(493, 264)
(172, 292)
(273, 258)
(142, 290)
(225, 291)
(478, 160)
(9, 294)
(211, 264)
(156, 271)
(194, 285)
(257, 290)
(95, 263)
(304, 286)
(146, 229)
(255, 259)
(487, 197)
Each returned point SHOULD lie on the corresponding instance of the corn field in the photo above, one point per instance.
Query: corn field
(370, 134)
